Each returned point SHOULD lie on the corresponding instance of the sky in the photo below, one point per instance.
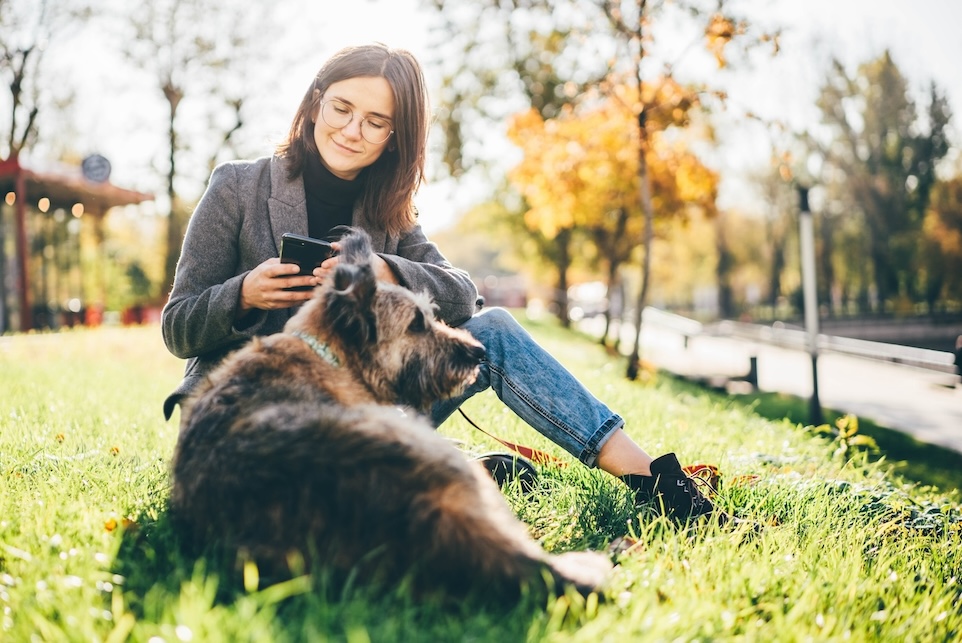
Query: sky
(922, 36)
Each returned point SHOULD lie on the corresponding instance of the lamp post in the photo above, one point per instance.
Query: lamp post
(806, 236)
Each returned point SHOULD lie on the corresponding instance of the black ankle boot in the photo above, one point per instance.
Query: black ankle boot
(677, 494)
(505, 467)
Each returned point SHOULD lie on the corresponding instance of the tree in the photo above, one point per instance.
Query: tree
(747, 258)
(497, 58)
(579, 174)
(883, 155)
(573, 178)
(591, 39)
(631, 21)
(778, 199)
(205, 70)
(27, 27)
(943, 240)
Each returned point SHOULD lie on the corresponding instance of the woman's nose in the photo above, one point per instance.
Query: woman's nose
(353, 129)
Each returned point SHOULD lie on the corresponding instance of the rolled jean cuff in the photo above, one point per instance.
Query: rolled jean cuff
(589, 454)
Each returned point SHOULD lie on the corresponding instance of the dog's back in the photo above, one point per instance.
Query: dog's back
(295, 448)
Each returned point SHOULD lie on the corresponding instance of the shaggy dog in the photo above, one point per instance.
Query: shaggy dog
(295, 450)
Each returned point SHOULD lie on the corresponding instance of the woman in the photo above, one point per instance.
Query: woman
(355, 155)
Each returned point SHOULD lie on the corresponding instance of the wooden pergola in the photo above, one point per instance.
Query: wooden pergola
(33, 193)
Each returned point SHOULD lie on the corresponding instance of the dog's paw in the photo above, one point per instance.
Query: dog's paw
(588, 571)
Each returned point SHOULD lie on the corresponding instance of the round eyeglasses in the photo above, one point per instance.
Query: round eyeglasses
(374, 129)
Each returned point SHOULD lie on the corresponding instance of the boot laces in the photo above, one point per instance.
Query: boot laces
(689, 486)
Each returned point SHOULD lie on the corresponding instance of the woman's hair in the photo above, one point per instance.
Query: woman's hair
(393, 179)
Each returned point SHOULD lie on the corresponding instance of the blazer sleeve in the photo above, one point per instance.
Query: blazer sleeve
(199, 315)
(420, 266)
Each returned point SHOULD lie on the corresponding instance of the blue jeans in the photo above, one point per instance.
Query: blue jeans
(536, 387)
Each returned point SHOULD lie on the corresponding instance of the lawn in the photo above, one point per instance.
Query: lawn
(921, 462)
(849, 551)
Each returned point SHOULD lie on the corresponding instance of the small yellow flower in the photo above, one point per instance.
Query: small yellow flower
(110, 524)
(114, 450)
(60, 437)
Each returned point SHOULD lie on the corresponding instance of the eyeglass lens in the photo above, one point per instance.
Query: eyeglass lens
(374, 129)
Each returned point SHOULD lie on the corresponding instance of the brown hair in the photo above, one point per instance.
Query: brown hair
(392, 180)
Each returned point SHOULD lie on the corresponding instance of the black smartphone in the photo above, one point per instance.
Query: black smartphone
(306, 252)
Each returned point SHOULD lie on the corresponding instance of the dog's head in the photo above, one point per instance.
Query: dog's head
(386, 335)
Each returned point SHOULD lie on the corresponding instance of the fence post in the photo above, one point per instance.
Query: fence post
(807, 240)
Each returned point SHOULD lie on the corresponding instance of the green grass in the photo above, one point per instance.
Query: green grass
(850, 551)
(914, 460)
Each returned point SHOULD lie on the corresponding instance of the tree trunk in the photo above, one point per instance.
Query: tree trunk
(726, 306)
(563, 241)
(777, 265)
(644, 194)
(610, 285)
(634, 360)
(175, 226)
(614, 285)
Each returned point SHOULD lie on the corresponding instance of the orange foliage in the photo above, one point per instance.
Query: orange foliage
(719, 32)
(581, 166)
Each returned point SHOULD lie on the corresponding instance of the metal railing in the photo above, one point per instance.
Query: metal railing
(781, 335)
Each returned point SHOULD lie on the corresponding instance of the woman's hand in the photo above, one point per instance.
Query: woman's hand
(382, 270)
(264, 287)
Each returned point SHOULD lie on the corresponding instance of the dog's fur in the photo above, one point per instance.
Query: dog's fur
(284, 455)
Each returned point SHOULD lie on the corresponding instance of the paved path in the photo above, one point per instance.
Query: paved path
(923, 403)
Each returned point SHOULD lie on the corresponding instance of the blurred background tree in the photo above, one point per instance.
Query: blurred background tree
(942, 243)
(27, 29)
(209, 70)
(552, 51)
(880, 166)
(579, 177)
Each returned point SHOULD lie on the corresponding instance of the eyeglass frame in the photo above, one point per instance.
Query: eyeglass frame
(320, 109)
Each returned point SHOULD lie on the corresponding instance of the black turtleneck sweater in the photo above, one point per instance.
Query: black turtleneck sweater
(330, 200)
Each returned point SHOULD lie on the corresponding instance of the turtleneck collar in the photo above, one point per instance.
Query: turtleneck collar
(320, 184)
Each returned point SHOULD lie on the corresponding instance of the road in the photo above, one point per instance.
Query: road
(923, 403)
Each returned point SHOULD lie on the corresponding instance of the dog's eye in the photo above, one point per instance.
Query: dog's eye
(418, 323)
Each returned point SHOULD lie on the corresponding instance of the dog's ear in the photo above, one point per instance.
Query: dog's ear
(350, 304)
(355, 247)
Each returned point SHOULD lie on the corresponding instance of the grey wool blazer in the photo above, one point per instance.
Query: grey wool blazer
(236, 226)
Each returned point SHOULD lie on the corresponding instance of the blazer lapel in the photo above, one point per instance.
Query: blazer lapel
(287, 206)
(287, 209)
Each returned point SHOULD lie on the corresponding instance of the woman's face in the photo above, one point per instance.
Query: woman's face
(343, 150)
